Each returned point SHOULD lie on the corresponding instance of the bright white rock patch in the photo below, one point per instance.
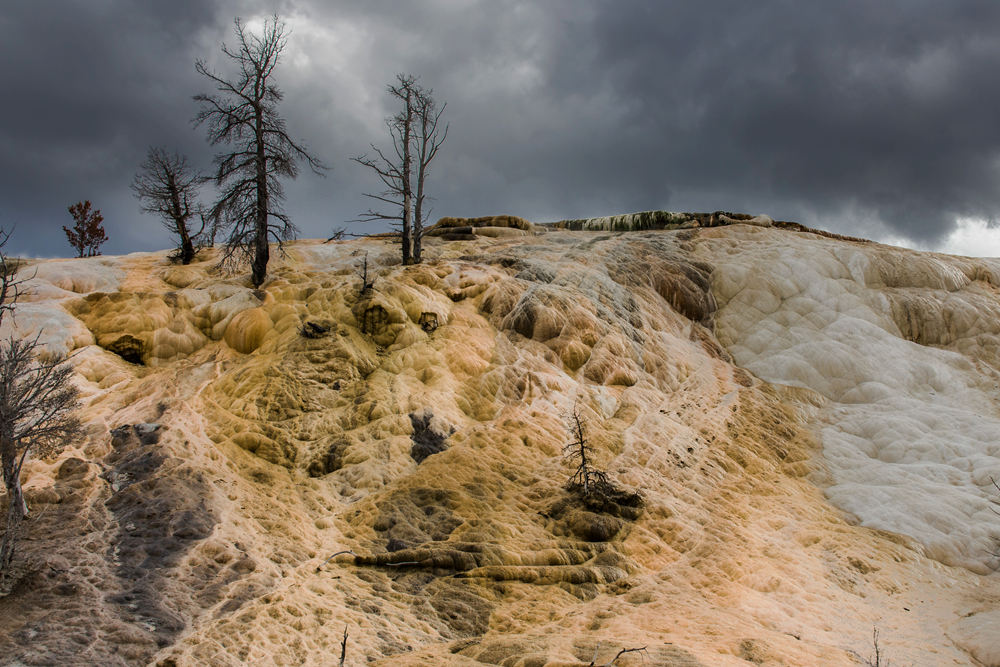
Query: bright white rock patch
(911, 432)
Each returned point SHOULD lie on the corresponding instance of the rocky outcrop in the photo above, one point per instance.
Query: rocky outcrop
(264, 468)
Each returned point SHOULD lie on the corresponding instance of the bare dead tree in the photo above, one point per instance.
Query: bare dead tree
(586, 477)
(339, 234)
(362, 269)
(167, 186)
(429, 138)
(11, 286)
(36, 401)
(343, 648)
(211, 226)
(243, 113)
(878, 659)
(395, 171)
(416, 138)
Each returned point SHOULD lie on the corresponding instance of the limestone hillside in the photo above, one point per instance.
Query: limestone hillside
(812, 423)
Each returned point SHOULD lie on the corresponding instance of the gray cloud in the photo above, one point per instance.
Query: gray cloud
(855, 116)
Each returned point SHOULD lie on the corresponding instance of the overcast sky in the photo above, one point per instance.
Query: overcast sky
(879, 119)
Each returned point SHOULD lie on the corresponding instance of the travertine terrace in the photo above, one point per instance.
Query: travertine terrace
(813, 423)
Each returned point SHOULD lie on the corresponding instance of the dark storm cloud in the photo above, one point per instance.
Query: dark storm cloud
(881, 110)
(88, 85)
(862, 117)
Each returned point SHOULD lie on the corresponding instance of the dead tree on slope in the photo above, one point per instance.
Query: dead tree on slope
(590, 485)
(416, 137)
(586, 478)
(11, 285)
(429, 140)
(243, 113)
(36, 401)
(168, 187)
(36, 398)
(362, 270)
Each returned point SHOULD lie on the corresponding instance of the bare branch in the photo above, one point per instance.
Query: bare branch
(166, 186)
(415, 142)
(622, 652)
(346, 551)
(428, 140)
(36, 400)
(343, 648)
(244, 115)
(11, 287)
(366, 284)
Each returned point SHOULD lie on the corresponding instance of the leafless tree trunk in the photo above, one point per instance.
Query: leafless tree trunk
(243, 113)
(212, 223)
(366, 284)
(405, 122)
(428, 140)
(10, 285)
(36, 399)
(396, 172)
(168, 187)
(415, 138)
(585, 476)
(17, 508)
(343, 648)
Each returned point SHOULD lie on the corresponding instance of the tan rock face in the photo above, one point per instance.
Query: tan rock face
(740, 378)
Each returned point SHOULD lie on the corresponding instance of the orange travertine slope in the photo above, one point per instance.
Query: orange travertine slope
(812, 422)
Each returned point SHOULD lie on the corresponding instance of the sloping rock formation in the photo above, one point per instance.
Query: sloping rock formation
(812, 424)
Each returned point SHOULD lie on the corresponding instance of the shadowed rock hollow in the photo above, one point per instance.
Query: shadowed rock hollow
(812, 423)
